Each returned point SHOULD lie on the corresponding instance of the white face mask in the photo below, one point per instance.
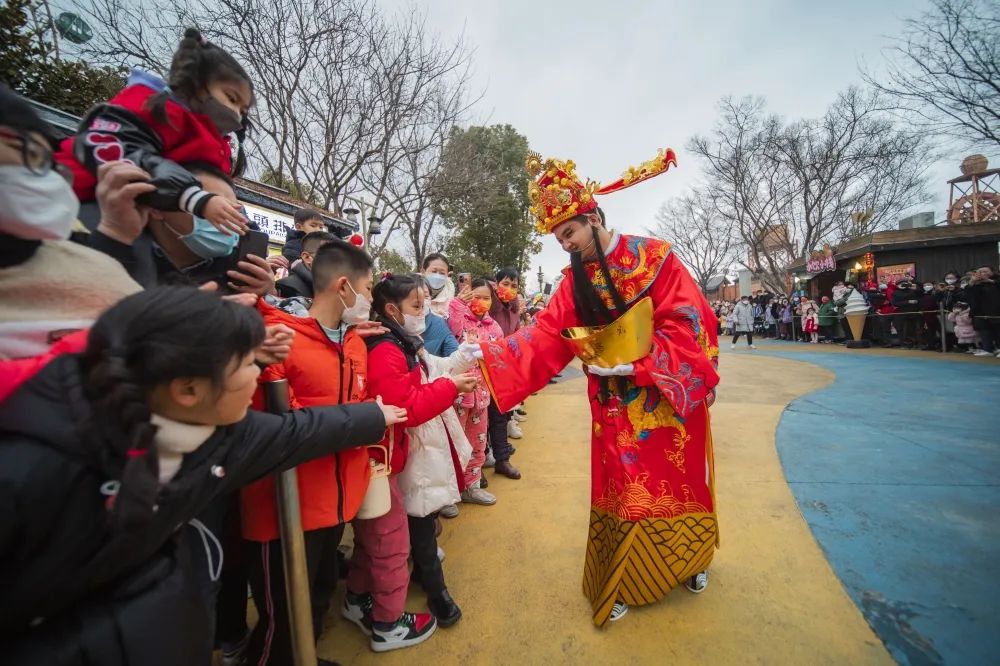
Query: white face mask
(36, 207)
(357, 313)
(414, 324)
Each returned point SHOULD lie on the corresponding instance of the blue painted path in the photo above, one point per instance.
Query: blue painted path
(896, 468)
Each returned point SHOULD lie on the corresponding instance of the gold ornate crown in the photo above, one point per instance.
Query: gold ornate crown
(557, 194)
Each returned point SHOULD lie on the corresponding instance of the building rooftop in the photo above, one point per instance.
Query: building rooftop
(904, 239)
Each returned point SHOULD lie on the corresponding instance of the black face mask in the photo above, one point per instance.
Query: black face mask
(225, 119)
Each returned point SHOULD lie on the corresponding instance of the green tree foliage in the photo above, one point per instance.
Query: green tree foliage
(29, 66)
(392, 261)
(481, 192)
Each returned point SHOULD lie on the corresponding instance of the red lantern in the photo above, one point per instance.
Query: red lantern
(357, 240)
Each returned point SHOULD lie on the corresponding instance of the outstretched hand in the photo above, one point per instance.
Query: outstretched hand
(465, 382)
(390, 413)
(277, 345)
(370, 329)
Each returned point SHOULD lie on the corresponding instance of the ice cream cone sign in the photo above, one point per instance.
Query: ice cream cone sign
(856, 310)
(857, 322)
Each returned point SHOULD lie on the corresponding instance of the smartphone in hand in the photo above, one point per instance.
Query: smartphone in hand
(252, 242)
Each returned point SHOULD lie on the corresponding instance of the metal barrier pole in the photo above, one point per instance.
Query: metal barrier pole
(293, 547)
(944, 329)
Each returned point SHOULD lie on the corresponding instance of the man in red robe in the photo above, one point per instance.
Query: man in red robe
(652, 518)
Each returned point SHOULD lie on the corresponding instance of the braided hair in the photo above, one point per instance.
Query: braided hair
(144, 341)
(196, 64)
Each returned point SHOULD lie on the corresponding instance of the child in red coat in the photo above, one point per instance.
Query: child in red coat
(378, 578)
(157, 128)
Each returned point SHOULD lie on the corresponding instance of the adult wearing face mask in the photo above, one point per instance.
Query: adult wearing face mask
(157, 247)
(437, 337)
(906, 300)
(743, 313)
(983, 295)
(928, 323)
(437, 273)
(50, 285)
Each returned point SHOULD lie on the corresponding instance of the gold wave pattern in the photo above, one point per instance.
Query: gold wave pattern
(635, 501)
(639, 562)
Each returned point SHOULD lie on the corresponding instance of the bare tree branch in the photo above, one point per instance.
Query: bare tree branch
(702, 238)
(944, 72)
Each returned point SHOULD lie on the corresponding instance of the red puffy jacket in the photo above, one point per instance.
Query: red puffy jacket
(397, 380)
(125, 129)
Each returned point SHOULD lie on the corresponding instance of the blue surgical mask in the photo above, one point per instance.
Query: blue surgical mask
(435, 280)
(206, 241)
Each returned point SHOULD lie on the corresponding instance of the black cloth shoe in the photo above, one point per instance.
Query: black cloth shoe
(445, 610)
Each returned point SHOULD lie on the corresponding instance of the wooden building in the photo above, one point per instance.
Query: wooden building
(925, 254)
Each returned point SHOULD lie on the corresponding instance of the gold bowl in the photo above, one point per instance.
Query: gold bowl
(625, 340)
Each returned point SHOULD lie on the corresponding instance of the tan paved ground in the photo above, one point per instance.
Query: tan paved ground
(515, 568)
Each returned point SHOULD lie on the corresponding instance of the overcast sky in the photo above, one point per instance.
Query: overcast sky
(607, 83)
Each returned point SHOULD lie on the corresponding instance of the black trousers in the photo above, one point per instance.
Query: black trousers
(906, 327)
(989, 332)
(427, 569)
(749, 335)
(499, 443)
(270, 642)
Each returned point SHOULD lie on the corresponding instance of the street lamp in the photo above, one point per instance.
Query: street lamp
(352, 214)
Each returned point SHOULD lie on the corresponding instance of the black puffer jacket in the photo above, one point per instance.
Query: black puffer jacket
(298, 283)
(76, 590)
(984, 298)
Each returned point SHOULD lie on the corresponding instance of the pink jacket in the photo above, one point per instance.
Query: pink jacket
(964, 331)
(461, 321)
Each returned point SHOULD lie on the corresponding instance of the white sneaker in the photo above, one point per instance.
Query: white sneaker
(618, 611)
(490, 460)
(698, 582)
(518, 416)
(998, 354)
(514, 430)
(981, 352)
(732, 346)
(752, 347)
(478, 496)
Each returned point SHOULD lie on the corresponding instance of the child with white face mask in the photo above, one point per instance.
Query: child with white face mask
(378, 579)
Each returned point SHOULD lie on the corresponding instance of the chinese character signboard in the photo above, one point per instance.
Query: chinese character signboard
(821, 264)
(895, 273)
(274, 224)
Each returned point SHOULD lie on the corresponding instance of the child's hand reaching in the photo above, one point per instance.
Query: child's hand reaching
(392, 415)
(465, 382)
(226, 216)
